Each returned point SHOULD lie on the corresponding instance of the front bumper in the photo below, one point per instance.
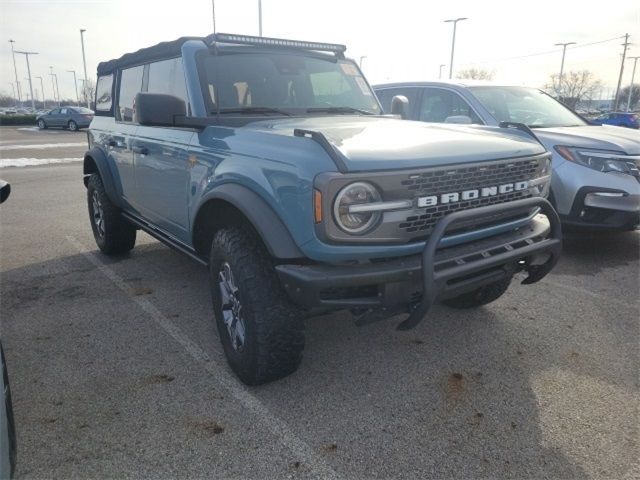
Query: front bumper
(604, 208)
(419, 280)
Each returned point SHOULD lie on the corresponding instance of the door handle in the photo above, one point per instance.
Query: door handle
(114, 143)
(140, 150)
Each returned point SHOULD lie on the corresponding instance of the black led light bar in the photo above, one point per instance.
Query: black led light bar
(273, 42)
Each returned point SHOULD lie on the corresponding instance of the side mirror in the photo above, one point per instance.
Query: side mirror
(400, 106)
(460, 119)
(5, 190)
(158, 109)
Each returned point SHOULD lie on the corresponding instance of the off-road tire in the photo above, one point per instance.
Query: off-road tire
(481, 296)
(118, 235)
(274, 328)
(42, 125)
(72, 126)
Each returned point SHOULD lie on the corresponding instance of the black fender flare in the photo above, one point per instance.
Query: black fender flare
(100, 160)
(266, 222)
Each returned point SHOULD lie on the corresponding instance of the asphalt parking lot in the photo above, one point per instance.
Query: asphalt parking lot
(116, 368)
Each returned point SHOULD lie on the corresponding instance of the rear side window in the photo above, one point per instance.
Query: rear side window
(167, 76)
(130, 86)
(104, 94)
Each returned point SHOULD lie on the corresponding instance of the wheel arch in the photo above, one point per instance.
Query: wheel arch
(95, 161)
(235, 205)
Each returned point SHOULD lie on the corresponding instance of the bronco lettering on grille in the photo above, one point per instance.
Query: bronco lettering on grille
(453, 197)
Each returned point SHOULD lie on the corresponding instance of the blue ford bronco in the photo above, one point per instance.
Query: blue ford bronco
(270, 162)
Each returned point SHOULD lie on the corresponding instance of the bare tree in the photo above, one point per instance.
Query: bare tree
(635, 96)
(576, 87)
(475, 74)
(89, 90)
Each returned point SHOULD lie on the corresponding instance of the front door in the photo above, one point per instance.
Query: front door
(162, 177)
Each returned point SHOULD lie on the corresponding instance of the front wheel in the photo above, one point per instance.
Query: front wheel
(73, 126)
(481, 296)
(113, 234)
(41, 124)
(262, 334)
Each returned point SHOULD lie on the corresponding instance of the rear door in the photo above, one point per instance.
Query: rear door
(121, 138)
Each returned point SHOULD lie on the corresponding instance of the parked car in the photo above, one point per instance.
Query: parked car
(73, 118)
(619, 119)
(269, 161)
(7, 425)
(596, 177)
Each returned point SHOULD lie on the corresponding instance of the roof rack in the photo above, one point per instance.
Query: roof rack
(211, 40)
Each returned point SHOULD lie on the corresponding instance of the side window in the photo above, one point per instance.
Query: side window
(64, 111)
(104, 90)
(130, 86)
(385, 96)
(438, 104)
(167, 76)
(55, 111)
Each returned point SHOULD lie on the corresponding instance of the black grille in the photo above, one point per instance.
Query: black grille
(441, 181)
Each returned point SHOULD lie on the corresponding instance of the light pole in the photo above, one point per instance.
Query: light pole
(26, 54)
(44, 98)
(75, 82)
(213, 12)
(15, 69)
(564, 49)
(260, 18)
(84, 62)
(453, 40)
(440, 74)
(633, 75)
(625, 46)
(13, 89)
(362, 57)
(53, 87)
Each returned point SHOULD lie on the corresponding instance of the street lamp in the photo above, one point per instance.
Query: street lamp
(362, 57)
(13, 89)
(453, 40)
(26, 54)
(633, 75)
(44, 98)
(260, 18)
(564, 49)
(75, 82)
(15, 69)
(84, 62)
(440, 74)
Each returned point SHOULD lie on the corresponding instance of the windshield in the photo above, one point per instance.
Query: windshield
(525, 105)
(285, 83)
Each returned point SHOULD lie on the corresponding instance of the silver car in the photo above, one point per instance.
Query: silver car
(73, 118)
(596, 177)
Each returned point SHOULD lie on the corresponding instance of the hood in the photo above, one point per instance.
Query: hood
(384, 143)
(601, 137)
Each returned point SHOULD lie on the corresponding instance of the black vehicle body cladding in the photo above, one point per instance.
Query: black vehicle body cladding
(97, 157)
(267, 224)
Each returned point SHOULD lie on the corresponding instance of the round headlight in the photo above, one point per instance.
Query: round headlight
(358, 193)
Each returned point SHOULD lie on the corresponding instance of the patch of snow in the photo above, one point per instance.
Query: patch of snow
(42, 146)
(30, 162)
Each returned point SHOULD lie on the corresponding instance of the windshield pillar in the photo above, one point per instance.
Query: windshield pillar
(190, 50)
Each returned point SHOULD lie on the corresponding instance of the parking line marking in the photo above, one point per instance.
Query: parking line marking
(630, 305)
(249, 401)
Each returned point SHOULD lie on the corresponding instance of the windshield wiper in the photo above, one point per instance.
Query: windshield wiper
(250, 110)
(338, 110)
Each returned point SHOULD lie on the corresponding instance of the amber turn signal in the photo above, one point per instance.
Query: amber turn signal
(317, 206)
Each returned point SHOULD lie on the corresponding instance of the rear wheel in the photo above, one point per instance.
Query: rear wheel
(41, 124)
(481, 296)
(113, 234)
(262, 334)
(73, 126)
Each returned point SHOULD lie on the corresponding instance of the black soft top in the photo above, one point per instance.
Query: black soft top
(144, 55)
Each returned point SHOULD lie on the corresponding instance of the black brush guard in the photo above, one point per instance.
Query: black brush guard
(433, 281)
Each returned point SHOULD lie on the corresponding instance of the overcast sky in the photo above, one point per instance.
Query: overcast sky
(402, 39)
